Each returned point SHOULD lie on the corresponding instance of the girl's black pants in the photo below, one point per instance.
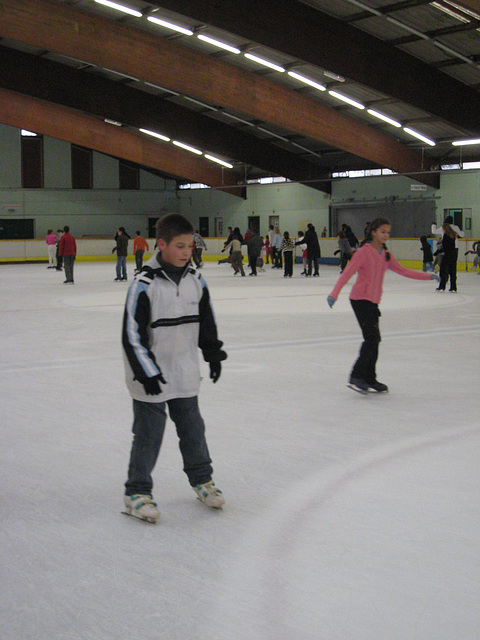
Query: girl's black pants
(367, 314)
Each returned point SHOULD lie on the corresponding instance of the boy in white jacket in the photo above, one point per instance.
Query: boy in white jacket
(168, 317)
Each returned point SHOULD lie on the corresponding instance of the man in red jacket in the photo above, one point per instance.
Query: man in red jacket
(67, 249)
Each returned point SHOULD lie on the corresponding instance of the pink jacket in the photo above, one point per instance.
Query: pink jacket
(371, 266)
(51, 239)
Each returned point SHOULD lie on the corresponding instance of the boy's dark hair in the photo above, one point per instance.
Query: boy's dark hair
(172, 225)
(137, 232)
(66, 228)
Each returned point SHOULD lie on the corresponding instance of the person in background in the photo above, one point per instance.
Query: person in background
(198, 247)
(59, 266)
(438, 255)
(254, 248)
(51, 240)
(344, 250)
(287, 247)
(303, 249)
(313, 249)
(351, 237)
(370, 262)
(427, 254)
(276, 251)
(236, 256)
(449, 261)
(140, 245)
(476, 252)
(67, 250)
(121, 248)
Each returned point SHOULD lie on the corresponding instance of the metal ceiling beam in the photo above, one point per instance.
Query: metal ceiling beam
(89, 92)
(52, 120)
(114, 46)
(322, 40)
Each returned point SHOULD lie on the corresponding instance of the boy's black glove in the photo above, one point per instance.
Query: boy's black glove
(215, 370)
(152, 386)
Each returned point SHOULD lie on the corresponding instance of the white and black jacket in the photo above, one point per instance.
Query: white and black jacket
(164, 325)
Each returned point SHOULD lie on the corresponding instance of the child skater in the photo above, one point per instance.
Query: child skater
(168, 317)
(370, 261)
(427, 254)
(287, 247)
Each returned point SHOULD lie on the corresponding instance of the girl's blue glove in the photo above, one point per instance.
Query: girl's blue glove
(433, 276)
(331, 301)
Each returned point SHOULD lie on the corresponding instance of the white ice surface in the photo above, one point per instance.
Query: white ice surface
(348, 517)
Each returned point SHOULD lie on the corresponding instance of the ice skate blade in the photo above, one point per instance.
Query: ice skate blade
(142, 518)
(363, 392)
(216, 508)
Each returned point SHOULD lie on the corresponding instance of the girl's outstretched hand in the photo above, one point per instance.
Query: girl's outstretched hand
(331, 301)
(434, 276)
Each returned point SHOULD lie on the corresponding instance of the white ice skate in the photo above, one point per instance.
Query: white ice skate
(210, 495)
(142, 507)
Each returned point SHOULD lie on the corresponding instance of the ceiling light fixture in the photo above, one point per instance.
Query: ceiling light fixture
(120, 7)
(463, 143)
(155, 135)
(383, 117)
(305, 80)
(217, 43)
(415, 134)
(187, 147)
(334, 76)
(218, 161)
(170, 25)
(340, 96)
(265, 63)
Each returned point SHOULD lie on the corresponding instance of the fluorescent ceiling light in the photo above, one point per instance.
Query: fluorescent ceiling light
(402, 25)
(340, 96)
(218, 161)
(474, 15)
(114, 122)
(217, 43)
(187, 147)
(415, 134)
(120, 7)
(265, 63)
(449, 12)
(155, 135)
(305, 80)
(170, 25)
(462, 143)
(381, 116)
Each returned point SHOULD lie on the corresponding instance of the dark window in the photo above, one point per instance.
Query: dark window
(17, 228)
(32, 162)
(82, 168)
(129, 176)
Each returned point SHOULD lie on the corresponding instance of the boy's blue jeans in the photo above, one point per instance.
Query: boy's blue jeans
(148, 427)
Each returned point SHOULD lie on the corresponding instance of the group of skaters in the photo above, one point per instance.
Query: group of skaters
(276, 248)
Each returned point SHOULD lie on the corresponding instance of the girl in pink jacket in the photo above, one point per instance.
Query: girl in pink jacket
(370, 262)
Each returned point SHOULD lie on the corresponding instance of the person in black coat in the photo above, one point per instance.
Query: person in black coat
(254, 248)
(313, 249)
